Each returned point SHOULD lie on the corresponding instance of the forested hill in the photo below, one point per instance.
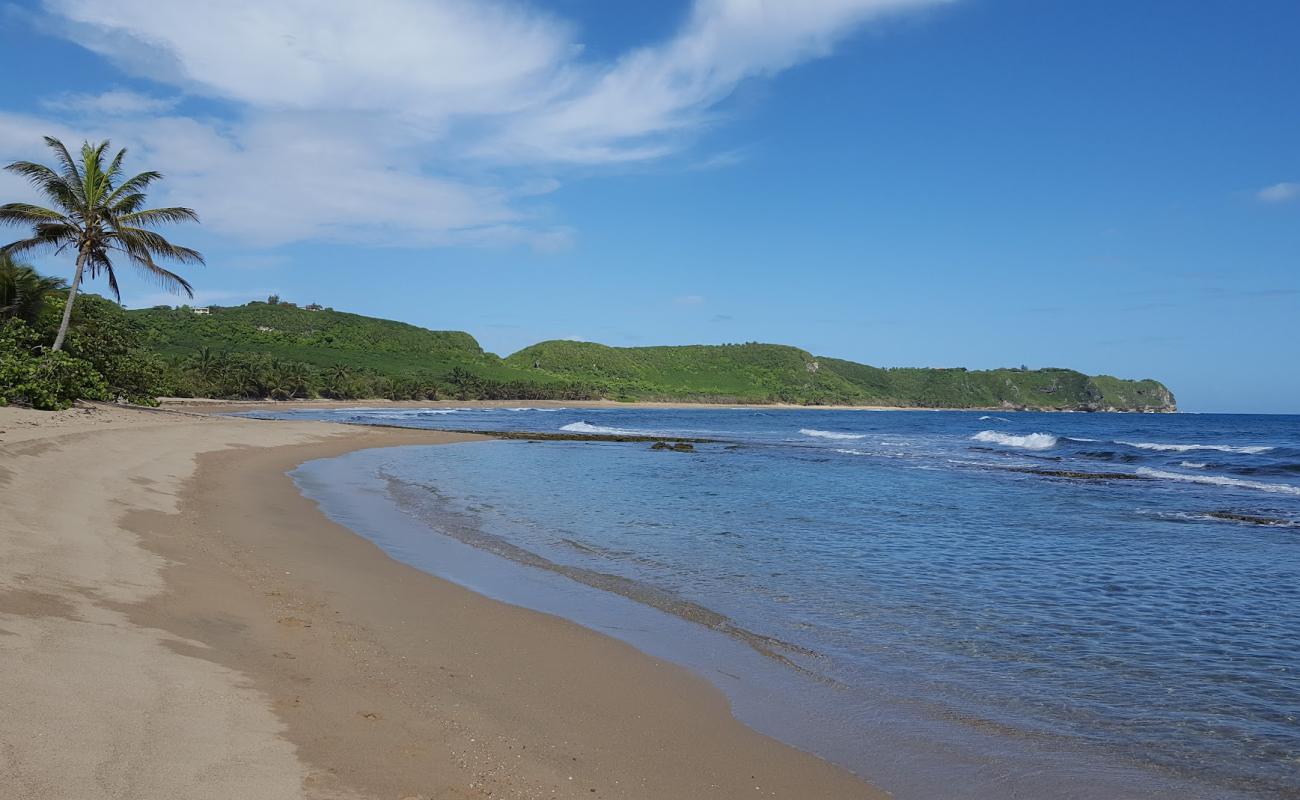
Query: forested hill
(319, 336)
(283, 350)
(772, 372)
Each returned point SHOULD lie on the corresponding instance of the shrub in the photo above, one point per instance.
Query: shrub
(47, 381)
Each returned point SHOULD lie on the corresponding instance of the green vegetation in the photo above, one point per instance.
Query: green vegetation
(707, 373)
(23, 291)
(104, 357)
(88, 350)
(764, 373)
(279, 350)
(95, 215)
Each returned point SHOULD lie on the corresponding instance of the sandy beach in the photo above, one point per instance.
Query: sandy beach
(176, 620)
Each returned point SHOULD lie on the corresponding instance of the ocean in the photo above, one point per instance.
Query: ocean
(952, 604)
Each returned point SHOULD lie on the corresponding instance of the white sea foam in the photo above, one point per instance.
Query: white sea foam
(586, 427)
(1187, 448)
(408, 413)
(529, 408)
(1192, 464)
(999, 419)
(1220, 480)
(1031, 441)
(830, 434)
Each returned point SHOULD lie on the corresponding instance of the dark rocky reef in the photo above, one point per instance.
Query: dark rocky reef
(1252, 519)
(1079, 476)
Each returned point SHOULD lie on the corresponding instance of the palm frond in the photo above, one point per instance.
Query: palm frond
(144, 263)
(23, 290)
(136, 184)
(50, 183)
(28, 214)
(69, 164)
(97, 185)
(156, 245)
(35, 244)
(112, 284)
(114, 170)
(159, 216)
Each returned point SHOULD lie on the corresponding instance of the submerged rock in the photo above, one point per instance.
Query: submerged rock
(676, 447)
(1252, 519)
(1080, 476)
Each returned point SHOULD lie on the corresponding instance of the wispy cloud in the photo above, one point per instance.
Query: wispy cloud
(644, 103)
(405, 121)
(1279, 192)
(689, 300)
(727, 158)
(112, 103)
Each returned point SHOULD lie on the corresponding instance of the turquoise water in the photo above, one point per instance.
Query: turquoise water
(904, 592)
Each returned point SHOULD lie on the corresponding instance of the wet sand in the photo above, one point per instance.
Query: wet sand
(176, 620)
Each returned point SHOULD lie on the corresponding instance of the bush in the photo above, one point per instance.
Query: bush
(48, 381)
(104, 336)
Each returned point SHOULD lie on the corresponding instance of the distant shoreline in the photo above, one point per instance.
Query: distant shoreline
(216, 404)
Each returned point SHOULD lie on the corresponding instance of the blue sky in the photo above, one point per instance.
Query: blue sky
(1105, 185)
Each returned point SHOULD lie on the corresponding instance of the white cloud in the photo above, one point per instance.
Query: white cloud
(1279, 192)
(639, 106)
(689, 300)
(419, 57)
(411, 121)
(112, 103)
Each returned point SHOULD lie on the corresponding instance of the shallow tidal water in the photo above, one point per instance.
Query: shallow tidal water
(957, 604)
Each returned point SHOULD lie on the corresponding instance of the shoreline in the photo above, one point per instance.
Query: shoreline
(211, 405)
(335, 668)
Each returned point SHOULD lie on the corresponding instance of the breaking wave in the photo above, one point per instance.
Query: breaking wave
(1220, 480)
(1031, 441)
(1186, 448)
(587, 427)
(830, 434)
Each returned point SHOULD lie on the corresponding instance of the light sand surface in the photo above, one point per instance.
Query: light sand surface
(177, 621)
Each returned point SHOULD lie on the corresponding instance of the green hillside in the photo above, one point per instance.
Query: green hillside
(322, 337)
(779, 373)
(751, 372)
(281, 350)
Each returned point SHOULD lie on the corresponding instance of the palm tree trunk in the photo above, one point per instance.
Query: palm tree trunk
(67, 308)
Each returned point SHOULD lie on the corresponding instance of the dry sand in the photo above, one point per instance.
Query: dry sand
(176, 621)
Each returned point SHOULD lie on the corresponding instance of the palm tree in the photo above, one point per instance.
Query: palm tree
(23, 290)
(338, 380)
(97, 216)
